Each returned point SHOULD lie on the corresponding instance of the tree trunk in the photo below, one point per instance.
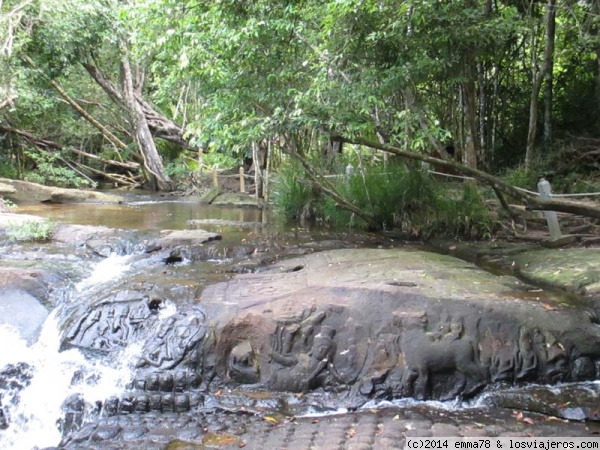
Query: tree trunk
(471, 148)
(549, 76)
(141, 132)
(160, 126)
(538, 77)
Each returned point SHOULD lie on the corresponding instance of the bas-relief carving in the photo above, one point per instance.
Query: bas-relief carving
(427, 354)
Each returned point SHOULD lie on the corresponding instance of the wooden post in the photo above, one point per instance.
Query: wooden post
(546, 194)
(214, 178)
(242, 181)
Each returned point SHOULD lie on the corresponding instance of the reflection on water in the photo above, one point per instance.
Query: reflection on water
(142, 213)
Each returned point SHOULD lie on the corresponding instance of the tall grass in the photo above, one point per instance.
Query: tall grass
(403, 197)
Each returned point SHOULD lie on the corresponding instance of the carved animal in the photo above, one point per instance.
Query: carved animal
(426, 354)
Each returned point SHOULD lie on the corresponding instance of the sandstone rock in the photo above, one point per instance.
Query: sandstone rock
(573, 269)
(174, 238)
(232, 199)
(23, 298)
(28, 192)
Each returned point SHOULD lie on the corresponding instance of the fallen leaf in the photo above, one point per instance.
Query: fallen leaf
(519, 416)
(270, 419)
(452, 247)
(351, 433)
(548, 307)
(528, 421)
(218, 394)
(314, 421)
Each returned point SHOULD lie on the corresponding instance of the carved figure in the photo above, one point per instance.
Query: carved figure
(173, 342)
(426, 354)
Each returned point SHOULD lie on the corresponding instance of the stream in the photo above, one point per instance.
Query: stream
(49, 391)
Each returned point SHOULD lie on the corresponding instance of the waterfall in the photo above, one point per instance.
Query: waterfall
(50, 376)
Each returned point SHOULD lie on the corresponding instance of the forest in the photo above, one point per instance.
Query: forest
(154, 93)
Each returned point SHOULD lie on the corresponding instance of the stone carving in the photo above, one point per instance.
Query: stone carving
(176, 338)
(449, 351)
(110, 325)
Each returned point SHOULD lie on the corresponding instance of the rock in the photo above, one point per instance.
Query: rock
(210, 195)
(8, 220)
(26, 192)
(573, 269)
(23, 299)
(408, 323)
(101, 240)
(83, 196)
(225, 223)
(237, 200)
(6, 189)
(175, 238)
(570, 402)
(376, 324)
(560, 242)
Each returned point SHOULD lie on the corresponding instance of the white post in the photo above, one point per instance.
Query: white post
(242, 181)
(546, 194)
(349, 171)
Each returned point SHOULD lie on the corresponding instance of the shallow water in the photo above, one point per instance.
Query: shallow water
(143, 213)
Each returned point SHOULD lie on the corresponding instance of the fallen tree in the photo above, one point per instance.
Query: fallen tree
(530, 201)
(47, 145)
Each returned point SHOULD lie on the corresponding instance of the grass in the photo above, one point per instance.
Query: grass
(31, 230)
(402, 197)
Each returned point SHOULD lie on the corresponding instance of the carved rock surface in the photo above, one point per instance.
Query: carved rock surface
(392, 323)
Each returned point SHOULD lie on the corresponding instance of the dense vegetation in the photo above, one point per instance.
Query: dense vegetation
(149, 91)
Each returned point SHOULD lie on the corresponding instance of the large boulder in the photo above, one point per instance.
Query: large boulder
(375, 323)
(393, 323)
(24, 298)
(27, 192)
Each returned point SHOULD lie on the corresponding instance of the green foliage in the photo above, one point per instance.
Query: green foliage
(48, 171)
(402, 197)
(291, 199)
(522, 177)
(31, 230)
(466, 217)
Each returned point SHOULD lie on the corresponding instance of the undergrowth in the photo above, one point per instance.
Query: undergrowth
(31, 230)
(402, 197)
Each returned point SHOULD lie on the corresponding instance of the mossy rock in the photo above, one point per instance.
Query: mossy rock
(237, 200)
(574, 269)
(210, 195)
(27, 192)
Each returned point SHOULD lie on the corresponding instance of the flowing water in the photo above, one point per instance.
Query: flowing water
(50, 375)
(34, 410)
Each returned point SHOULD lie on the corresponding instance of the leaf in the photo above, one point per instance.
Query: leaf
(548, 307)
(270, 419)
(528, 421)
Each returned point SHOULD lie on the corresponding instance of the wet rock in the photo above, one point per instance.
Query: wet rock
(570, 402)
(102, 241)
(24, 298)
(574, 269)
(27, 192)
(392, 324)
(177, 238)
